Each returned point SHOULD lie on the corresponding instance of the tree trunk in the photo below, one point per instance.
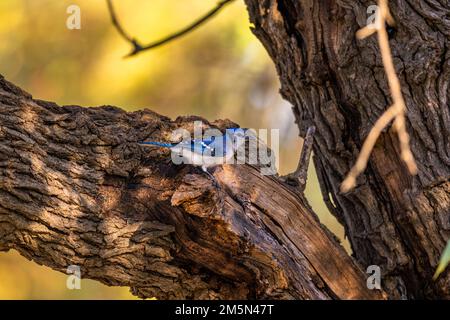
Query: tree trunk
(76, 189)
(337, 83)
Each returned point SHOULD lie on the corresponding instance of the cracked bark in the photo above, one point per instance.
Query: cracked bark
(76, 189)
(337, 84)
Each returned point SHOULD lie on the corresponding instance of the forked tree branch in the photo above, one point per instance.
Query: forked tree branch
(138, 47)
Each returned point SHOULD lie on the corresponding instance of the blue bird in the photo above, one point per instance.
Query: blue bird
(208, 152)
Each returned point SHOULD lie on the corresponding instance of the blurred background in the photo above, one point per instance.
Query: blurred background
(218, 71)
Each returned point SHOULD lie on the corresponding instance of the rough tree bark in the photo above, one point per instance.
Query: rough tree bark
(338, 84)
(76, 189)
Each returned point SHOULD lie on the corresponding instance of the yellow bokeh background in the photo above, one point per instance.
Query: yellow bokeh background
(218, 71)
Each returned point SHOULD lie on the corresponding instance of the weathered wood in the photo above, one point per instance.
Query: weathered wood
(338, 84)
(76, 189)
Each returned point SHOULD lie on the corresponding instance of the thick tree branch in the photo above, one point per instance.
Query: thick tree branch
(76, 189)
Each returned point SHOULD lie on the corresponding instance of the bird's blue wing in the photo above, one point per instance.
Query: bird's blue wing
(212, 146)
(197, 145)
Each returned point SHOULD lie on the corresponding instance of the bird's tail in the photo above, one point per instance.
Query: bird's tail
(158, 144)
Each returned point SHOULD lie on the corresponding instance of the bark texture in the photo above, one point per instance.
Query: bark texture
(337, 84)
(76, 189)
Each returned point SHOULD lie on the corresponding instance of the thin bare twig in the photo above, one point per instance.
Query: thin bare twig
(303, 164)
(299, 177)
(138, 47)
(396, 112)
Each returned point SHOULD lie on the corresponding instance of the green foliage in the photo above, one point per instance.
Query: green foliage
(443, 263)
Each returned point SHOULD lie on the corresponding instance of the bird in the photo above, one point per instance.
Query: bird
(206, 153)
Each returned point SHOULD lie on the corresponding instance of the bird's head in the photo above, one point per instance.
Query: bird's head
(236, 132)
